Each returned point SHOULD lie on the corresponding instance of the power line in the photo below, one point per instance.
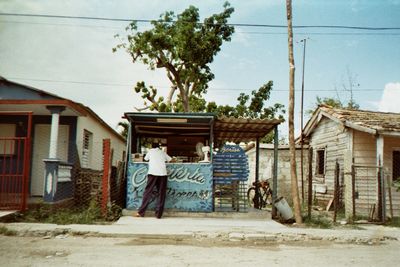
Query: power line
(59, 24)
(325, 33)
(210, 88)
(241, 32)
(231, 24)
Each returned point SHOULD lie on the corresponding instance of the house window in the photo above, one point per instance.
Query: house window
(396, 165)
(86, 148)
(320, 163)
(7, 144)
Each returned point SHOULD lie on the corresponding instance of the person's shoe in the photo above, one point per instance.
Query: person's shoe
(138, 215)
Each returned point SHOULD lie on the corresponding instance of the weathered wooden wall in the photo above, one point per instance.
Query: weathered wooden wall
(333, 137)
(338, 141)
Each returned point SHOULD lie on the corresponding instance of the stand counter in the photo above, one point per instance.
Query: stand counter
(189, 186)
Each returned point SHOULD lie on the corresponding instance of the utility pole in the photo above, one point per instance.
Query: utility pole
(292, 145)
(301, 122)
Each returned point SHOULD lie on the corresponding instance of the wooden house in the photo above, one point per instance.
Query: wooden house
(366, 145)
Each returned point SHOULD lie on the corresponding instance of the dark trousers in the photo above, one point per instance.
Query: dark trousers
(160, 184)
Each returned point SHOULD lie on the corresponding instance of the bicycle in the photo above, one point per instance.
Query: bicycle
(264, 193)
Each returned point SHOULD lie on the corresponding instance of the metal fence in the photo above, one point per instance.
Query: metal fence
(14, 165)
(376, 195)
(365, 195)
(230, 196)
(23, 181)
(103, 181)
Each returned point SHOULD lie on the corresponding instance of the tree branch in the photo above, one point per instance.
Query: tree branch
(141, 109)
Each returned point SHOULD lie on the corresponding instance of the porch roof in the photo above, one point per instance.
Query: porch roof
(18, 97)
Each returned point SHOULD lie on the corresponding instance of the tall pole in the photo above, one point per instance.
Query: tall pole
(292, 145)
(301, 123)
(257, 196)
(275, 175)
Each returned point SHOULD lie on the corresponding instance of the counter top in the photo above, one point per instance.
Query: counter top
(170, 163)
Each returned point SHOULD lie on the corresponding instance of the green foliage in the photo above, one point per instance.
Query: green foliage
(334, 103)
(318, 221)
(251, 106)
(182, 46)
(124, 125)
(7, 232)
(90, 214)
(394, 222)
(114, 212)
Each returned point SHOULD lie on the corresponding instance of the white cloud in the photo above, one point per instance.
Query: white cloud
(390, 98)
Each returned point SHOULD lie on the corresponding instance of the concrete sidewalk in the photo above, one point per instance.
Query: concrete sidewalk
(228, 228)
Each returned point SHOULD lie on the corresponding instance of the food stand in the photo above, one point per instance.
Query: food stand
(185, 137)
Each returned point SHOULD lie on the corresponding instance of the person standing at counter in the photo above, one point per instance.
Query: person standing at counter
(156, 178)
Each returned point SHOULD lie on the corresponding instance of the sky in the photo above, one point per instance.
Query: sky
(73, 58)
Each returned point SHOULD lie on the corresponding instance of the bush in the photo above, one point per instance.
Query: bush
(318, 221)
(5, 231)
(90, 214)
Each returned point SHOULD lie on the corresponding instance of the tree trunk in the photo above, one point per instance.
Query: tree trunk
(294, 184)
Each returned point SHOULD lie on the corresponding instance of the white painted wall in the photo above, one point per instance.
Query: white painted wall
(99, 132)
(41, 147)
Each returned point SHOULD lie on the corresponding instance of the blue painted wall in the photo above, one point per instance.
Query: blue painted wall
(12, 90)
(189, 186)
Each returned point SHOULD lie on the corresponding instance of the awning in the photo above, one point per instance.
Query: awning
(200, 124)
(241, 129)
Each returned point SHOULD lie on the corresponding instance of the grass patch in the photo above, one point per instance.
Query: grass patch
(90, 214)
(5, 231)
(394, 222)
(318, 221)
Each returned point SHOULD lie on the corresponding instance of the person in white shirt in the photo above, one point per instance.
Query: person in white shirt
(156, 178)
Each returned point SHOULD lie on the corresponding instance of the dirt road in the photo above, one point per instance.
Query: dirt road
(67, 250)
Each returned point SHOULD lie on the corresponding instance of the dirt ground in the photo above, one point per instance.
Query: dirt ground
(67, 250)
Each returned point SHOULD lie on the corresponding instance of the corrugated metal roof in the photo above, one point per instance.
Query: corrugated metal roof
(224, 128)
(242, 129)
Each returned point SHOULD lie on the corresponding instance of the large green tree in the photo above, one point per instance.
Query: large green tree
(250, 106)
(182, 46)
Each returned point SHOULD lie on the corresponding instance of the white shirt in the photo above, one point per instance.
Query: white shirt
(157, 159)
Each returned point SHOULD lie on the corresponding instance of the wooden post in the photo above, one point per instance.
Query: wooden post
(353, 189)
(106, 175)
(380, 180)
(336, 191)
(27, 165)
(390, 196)
(292, 145)
(257, 195)
(310, 180)
(275, 173)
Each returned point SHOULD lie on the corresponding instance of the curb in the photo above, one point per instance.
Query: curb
(200, 237)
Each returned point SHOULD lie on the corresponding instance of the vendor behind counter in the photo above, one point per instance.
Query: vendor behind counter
(182, 149)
